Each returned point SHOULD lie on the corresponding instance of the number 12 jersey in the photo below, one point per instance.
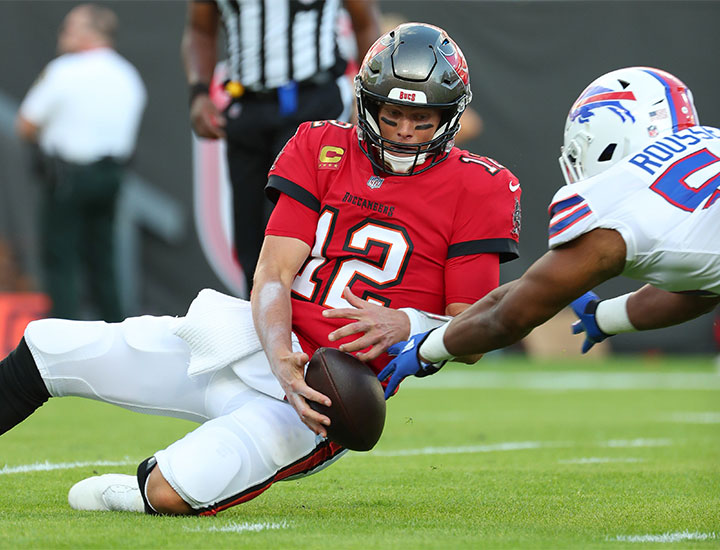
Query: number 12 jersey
(413, 241)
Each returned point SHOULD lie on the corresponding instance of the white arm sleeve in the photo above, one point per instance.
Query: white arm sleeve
(421, 321)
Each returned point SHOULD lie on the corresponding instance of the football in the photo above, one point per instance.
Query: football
(357, 413)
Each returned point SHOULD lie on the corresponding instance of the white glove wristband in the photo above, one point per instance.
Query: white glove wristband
(433, 348)
(421, 321)
(612, 317)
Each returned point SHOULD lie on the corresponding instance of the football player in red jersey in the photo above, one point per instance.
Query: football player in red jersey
(378, 233)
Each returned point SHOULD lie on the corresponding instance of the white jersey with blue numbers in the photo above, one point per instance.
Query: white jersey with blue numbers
(664, 201)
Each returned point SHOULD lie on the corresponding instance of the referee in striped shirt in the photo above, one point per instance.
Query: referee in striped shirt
(284, 69)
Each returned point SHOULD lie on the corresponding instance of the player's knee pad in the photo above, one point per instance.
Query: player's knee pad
(58, 337)
(22, 389)
(65, 350)
(203, 465)
(274, 431)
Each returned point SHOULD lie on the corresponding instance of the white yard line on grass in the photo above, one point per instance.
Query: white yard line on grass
(567, 380)
(464, 449)
(665, 537)
(510, 446)
(694, 418)
(516, 446)
(47, 466)
(239, 527)
(598, 460)
(640, 442)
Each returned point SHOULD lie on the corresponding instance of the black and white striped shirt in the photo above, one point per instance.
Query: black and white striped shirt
(271, 42)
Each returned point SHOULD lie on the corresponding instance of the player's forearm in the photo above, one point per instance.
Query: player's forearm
(652, 308)
(468, 334)
(272, 315)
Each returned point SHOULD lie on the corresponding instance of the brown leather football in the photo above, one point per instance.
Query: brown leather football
(357, 413)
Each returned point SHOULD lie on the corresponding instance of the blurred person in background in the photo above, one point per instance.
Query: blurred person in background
(642, 200)
(83, 112)
(284, 69)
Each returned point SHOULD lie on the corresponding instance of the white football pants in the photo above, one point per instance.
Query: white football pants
(247, 439)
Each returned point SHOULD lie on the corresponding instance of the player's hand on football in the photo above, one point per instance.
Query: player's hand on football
(206, 119)
(377, 327)
(585, 307)
(289, 371)
(407, 363)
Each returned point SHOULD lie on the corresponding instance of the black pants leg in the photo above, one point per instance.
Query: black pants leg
(256, 134)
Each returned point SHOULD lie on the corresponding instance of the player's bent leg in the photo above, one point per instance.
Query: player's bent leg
(163, 497)
(138, 364)
(22, 389)
(234, 458)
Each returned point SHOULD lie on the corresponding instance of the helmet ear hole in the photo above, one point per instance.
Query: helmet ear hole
(607, 153)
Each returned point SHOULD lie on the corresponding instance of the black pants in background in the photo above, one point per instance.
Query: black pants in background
(77, 220)
(256, 132)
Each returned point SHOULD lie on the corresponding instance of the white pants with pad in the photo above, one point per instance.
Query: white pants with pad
(247, 439)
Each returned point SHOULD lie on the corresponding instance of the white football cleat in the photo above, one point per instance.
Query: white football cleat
(107, 493)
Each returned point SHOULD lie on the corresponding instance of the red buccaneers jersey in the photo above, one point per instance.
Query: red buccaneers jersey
(391, 239)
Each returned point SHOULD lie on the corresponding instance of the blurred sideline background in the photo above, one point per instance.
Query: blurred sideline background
(528, 61)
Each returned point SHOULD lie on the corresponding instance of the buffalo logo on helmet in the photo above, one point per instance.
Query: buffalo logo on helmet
(598, 97)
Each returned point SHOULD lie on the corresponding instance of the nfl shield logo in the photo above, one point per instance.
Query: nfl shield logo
(375, 182)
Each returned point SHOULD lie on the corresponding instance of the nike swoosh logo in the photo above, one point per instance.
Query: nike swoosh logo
(514, 188)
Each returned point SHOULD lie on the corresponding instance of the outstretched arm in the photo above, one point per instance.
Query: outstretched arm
(280, 259)
(645, 309)
(651, 308)
(510, 312)
(377, 327)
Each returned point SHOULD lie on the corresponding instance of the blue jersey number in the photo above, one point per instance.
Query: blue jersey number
(689, 181)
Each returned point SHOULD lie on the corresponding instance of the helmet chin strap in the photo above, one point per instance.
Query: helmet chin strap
(403, 164)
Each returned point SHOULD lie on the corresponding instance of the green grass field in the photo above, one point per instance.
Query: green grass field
(506, 454)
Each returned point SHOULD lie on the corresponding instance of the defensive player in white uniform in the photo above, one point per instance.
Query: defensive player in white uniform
(643, 201)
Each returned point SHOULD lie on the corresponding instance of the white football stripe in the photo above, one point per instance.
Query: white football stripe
(515, 446)
(47, 466)
(598, 460)
(695, 418)
(640, 442)
(565, 380)
(665, 537)
(511, 446)
(240, 527)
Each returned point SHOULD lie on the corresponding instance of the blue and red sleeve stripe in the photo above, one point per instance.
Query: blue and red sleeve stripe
(566, 213)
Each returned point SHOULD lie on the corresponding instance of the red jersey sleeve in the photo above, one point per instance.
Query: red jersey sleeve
(488, 213)
(294, 171)
(290, 219)
(469, 278)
